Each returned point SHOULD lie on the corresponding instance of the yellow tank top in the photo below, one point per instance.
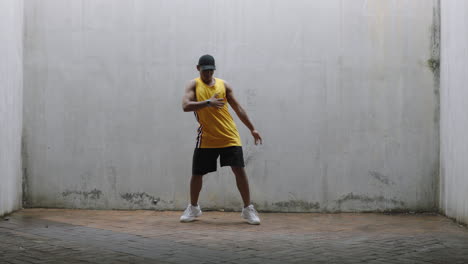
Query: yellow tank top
(217, 128)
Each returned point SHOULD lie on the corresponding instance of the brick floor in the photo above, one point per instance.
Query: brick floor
(91, 236)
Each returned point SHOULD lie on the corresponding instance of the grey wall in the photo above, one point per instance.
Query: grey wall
(341, 91)
(454, 115)
(11, 89)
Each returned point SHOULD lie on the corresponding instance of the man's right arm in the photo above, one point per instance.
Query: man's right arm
(190, 103)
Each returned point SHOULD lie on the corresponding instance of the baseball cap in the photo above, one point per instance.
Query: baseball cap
(206, 62)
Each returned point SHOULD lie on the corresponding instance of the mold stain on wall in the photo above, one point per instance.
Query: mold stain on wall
(140, 198)
(297, 205)
(368, 200)
(94, 194)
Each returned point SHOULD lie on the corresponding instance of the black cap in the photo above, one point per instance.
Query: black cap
(206, 62)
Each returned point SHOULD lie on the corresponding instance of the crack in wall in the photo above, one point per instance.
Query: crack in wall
(25, 176)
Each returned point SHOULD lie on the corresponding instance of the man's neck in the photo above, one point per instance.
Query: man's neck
(210, 82)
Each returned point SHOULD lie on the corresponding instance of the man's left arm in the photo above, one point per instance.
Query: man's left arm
(241, 113)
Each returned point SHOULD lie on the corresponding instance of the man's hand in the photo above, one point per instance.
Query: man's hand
(257, 137)
(216, 102)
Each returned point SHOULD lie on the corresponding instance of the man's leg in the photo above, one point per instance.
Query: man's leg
(193, 210)
(249, 213)
(195, 187)
(242, 184)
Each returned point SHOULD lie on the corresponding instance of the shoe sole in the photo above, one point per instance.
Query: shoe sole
(187, 220)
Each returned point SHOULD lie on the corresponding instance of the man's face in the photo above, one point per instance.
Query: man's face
(206, 75)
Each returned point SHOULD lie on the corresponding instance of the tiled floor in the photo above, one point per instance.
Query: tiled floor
(91, 236)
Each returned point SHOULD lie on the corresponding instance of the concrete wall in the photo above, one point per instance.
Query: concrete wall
(454, 113)
(11, 89)
(341, 91)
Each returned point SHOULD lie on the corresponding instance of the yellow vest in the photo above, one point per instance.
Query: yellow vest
(217, 128)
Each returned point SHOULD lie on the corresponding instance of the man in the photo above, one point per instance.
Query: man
(217, 136)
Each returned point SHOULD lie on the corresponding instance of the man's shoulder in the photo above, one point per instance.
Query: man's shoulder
(191, 84)
(223, 82)
(226, 84)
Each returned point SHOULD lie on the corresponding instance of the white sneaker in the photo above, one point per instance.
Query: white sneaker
(191, 213)
(251, 215)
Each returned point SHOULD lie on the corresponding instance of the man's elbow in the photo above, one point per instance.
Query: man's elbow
(186, 108)
(239, 111)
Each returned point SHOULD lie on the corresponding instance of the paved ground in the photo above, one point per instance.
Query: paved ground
(89, 236)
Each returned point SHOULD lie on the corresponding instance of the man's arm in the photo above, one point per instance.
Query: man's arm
(189, 101)
(241, 113)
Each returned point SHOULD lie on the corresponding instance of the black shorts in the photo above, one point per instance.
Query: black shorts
(205, 159)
